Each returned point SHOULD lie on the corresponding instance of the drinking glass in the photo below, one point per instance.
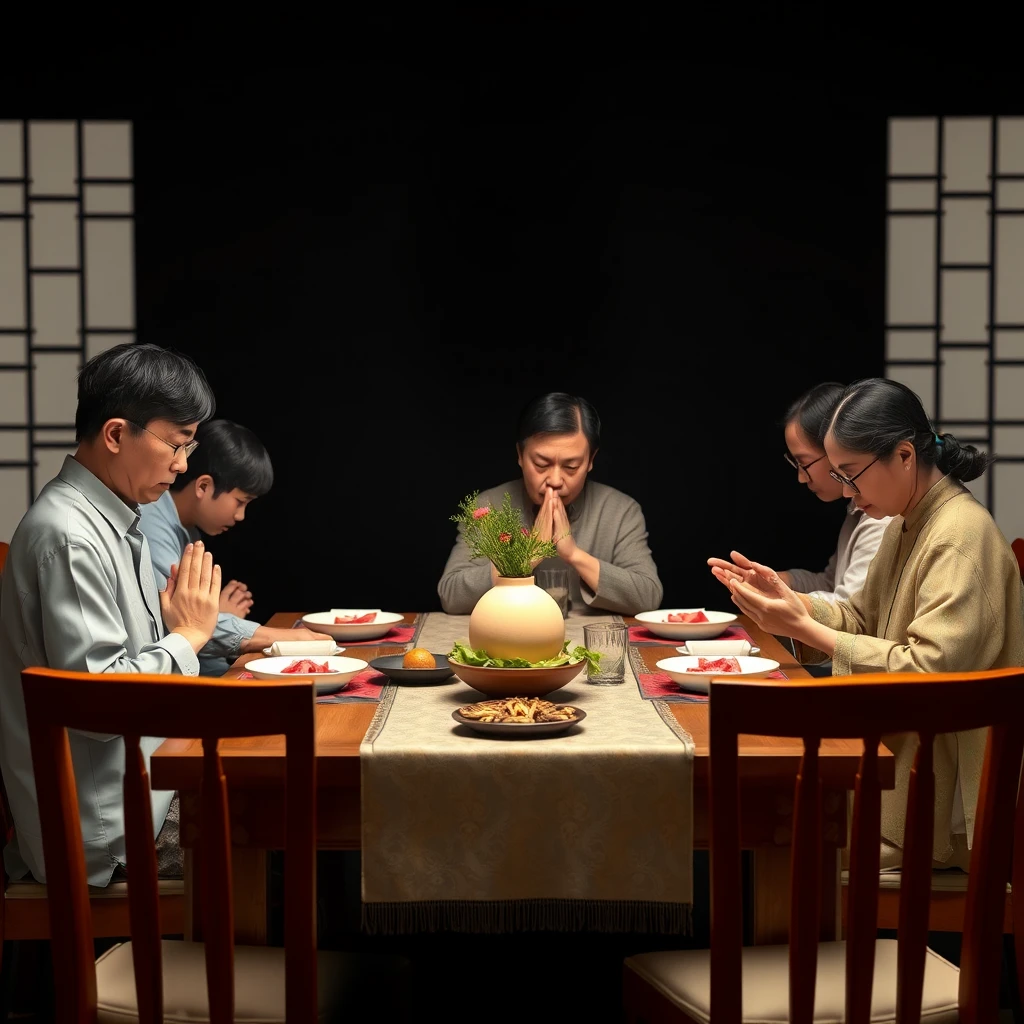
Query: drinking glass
(556, 583)
(610, 640)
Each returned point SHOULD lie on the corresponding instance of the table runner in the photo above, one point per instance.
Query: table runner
(588, 830)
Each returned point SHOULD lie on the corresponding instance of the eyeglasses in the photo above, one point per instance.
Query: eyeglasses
(796, 465)
(848, 481)
(185, 449)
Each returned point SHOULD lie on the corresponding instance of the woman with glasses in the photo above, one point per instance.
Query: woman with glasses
(806, 422)
(943, 593)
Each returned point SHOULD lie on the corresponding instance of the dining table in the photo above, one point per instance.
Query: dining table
(254, 768)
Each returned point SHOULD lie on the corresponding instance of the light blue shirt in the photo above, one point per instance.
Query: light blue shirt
(167, 538)
(79, 593)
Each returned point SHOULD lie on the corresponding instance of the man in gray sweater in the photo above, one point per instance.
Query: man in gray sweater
(600, 532)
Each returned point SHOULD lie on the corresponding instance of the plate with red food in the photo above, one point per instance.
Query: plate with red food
(353, 623)
(696, 672)
(686, 623)
(330, 673)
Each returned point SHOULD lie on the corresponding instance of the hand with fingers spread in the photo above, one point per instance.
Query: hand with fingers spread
(767, 599)
(236, 599)
(190, 602)
(742, 570)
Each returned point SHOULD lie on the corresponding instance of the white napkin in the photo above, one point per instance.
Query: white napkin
(723, 648)
(292, 648)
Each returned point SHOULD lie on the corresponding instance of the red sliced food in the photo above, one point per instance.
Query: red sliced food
(307, 666)
(348, 620)
(716, 665)
(686, 617)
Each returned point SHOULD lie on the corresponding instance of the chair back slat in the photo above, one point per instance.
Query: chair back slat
(146, 705)
(805, 868)
(726, 873)
(998, 821)
(866, 707)
(915, 882)
(218, 909)
(865, 850)
(300, 877)
(144, 905)
(71, 940)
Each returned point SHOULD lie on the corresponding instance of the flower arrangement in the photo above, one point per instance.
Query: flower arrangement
(498, 534)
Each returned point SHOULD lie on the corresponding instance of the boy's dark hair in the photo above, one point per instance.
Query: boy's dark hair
(140, 383)
(233, 455)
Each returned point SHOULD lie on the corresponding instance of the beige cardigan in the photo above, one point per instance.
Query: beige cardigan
(943, 594)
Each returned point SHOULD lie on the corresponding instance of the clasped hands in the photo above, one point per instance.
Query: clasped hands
(759, 591)
(553, 524)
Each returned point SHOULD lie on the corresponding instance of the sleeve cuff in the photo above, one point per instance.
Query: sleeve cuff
(825, 612)
(842, 658)
(181, 652)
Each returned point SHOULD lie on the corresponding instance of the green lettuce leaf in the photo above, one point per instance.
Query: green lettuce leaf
(466, 655)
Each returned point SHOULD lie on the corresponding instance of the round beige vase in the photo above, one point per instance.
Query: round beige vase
(516, 619)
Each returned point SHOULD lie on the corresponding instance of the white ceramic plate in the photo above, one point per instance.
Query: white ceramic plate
(718, 622)
(342, 671)
(323, 622)
(676, 670)
(718, 648)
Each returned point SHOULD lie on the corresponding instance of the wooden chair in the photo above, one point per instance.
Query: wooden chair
(144, 978)
(882, 980)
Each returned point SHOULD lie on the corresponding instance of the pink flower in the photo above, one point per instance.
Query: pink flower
(479, 513)
(504, 537)
(524, 531)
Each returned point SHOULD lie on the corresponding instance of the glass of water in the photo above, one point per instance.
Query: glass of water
(610, 640)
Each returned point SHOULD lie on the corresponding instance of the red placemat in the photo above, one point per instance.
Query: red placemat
(366, 686)
(642, 635)
(658, 686)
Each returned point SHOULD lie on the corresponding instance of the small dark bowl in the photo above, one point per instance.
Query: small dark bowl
(391, 666)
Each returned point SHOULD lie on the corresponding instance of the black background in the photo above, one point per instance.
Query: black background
(380, 236)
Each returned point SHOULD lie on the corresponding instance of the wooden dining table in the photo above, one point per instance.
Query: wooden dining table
(254, 768)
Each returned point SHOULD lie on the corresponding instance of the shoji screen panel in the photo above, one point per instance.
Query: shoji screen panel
(66, 285)
(955, 287)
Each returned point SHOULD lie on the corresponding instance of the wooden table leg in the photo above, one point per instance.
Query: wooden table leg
(772, 891)
(249, 888)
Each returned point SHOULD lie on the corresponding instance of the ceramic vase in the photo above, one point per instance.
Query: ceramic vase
(516, 619)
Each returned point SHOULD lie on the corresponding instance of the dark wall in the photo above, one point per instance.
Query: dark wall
(379, 248)
(376, 297)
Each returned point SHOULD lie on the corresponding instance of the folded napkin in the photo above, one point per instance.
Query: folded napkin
(355, 611)
(309, 648)
(718, 648)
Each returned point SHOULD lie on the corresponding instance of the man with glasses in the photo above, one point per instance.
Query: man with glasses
(79, 593)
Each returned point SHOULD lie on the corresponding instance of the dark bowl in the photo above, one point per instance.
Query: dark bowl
(391, 666)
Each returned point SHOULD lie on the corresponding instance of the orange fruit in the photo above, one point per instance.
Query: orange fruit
(419, 657)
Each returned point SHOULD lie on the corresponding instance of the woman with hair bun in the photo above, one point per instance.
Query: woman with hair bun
(943, 593)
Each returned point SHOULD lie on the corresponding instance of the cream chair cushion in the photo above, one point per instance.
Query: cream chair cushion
(943, 880)
(684, 977)
(259, 984)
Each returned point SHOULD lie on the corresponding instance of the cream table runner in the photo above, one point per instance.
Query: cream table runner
(588, 830)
